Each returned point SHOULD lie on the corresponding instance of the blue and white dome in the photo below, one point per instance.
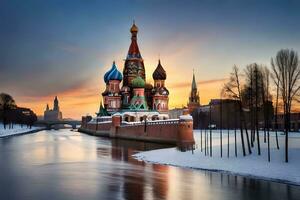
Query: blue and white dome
(113, 74)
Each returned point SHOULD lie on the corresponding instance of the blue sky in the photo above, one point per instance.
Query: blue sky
(54, 47)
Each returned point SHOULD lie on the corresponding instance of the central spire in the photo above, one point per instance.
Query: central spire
(134, 51)
(194, 85)
(134, 64)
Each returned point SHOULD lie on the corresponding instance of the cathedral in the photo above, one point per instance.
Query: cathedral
(135, 109)
(53, 114)
(135, 98)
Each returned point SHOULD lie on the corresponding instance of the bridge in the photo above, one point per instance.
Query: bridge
(51, 124)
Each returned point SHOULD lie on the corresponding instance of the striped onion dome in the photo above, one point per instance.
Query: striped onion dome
(159, 73)
(113, 74)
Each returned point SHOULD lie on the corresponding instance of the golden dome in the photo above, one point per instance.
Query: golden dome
(134, 28)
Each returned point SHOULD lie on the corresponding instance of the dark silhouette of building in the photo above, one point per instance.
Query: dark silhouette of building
(53, 114)
(295, 122)
(18, 115)
(230, 114)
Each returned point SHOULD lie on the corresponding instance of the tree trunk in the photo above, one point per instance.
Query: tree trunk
(210, 132)
(228, 142)
(256, 112)
(276, 115)
(201, 139)
(246, 130)
(235, 145)
(241, 128)
(221, 145)
(251, 108)
(228, 134)
(286, 146)
(287, 122)
(204, 142)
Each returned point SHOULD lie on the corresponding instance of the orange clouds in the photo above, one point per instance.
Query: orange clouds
(75, 102)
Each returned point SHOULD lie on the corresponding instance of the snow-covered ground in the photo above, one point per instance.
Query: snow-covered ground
(17, 130)
(251, 165)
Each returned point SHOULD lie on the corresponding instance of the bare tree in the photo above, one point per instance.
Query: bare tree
(256, 74)
(248, 93)
(221, 127)
(266, 105)
(228, 145)
(233, 90)
(286, 71)
(276, 110)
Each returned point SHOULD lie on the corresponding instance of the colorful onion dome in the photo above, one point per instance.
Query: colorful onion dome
(138, 82)
(159, 73)
(113, 74)
(105, 77)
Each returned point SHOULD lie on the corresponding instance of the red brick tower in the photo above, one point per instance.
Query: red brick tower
(194, 100)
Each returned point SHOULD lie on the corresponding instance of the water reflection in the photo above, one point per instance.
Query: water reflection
(69, 165)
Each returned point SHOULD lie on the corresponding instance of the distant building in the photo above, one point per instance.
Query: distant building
(230, 114)
(53, 114)
(294, 124)
(211, 114)
(175, 113)
(194, 99)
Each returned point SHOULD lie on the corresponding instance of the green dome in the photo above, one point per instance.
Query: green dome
(138, 82)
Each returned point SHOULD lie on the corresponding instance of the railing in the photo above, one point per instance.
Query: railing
(156, 122)
(125, 123)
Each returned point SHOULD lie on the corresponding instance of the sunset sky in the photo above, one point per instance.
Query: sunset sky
(63, 48)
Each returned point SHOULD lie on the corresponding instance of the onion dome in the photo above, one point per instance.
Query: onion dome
(113, 74)
(134, 28)
(105, 77)
(159, 73)
(138, 82)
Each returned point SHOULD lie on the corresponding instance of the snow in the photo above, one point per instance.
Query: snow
(251, 165)
(17, 130)
(186, 117)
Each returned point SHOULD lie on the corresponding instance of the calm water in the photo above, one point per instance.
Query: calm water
(70, 165)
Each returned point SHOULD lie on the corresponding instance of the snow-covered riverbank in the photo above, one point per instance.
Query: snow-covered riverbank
(251, 165)
(17, 130)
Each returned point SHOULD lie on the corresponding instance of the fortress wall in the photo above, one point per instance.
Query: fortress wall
(101, 127)
(171, 132)
(156, 132)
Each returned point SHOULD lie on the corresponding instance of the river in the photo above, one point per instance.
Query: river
(64, 164)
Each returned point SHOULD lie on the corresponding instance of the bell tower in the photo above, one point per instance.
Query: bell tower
(194, 99)
(55, 105)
